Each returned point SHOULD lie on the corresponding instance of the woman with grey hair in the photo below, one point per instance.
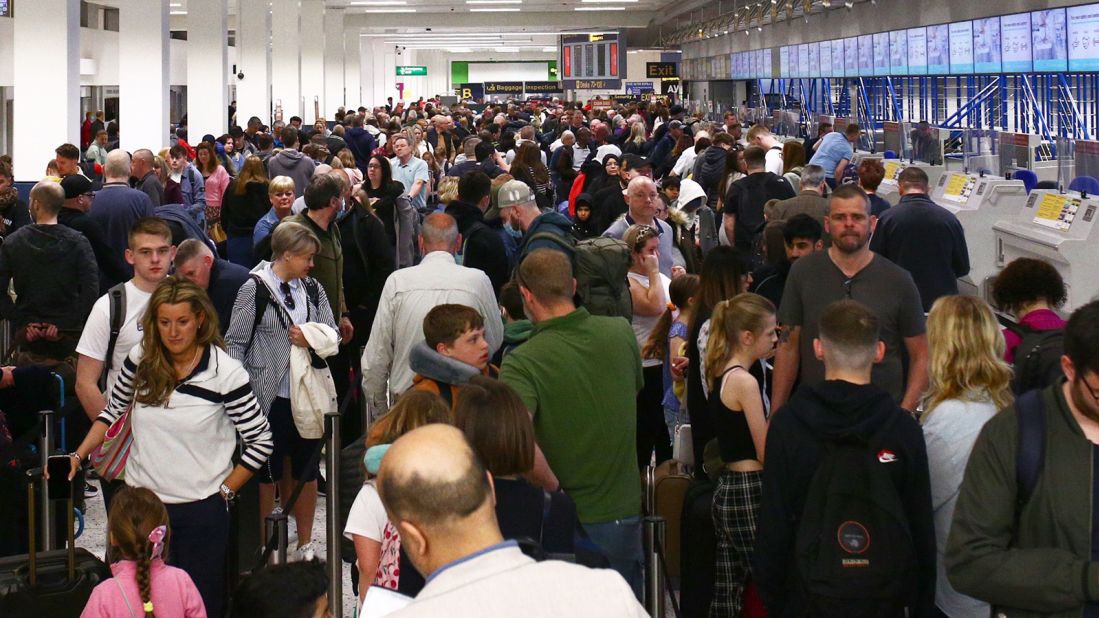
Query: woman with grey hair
(271, 306)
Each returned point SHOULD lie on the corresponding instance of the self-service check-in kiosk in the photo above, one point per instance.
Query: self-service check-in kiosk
(1060, 229)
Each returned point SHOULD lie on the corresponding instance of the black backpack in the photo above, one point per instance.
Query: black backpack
(117, 299)
(854, 550)
(1037, 358)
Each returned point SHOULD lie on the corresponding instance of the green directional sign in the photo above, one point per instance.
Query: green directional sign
(411, 71)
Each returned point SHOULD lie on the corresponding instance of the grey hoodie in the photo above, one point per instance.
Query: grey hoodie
(294, 164)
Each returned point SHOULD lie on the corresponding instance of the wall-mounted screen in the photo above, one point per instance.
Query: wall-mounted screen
(917, 51)
(881, 53)
(986, 45)
(814, 60)
(1049, 40)
(824, 56)
(1083, 38)
(938, 49)
(898, 52)
(851, 57)
(837, 58)
(757, 65)
(961, 48)
(866, 55)
(803, 61)
(795, 64)
(768, 63)
(1015, 43)
(784, 62)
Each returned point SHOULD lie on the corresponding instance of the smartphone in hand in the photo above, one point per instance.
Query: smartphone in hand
(59, 485)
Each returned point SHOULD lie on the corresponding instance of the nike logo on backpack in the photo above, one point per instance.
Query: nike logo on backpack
(886, 456)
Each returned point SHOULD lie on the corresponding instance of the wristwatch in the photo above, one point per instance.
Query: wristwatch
(227, 493)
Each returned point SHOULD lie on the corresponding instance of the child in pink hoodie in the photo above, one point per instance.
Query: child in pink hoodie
(142, 586)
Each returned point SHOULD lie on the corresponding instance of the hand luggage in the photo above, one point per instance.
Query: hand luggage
(665, 487)
(55, 583)
(697, 551)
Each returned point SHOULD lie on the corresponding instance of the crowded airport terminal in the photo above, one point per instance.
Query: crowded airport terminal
(521, 309)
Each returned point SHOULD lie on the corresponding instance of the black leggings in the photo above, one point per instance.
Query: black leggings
(652, 431)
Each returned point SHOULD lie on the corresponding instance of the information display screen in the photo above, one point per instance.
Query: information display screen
(881, 53)
(986, 45)
(767, 66)
(784, 58)
(917, 51)
(938, 49)
(866, 55)
(958, 187)
(1057, 211)
(803, 61)
(898, 52)
(961, 48)
(851, 57)
(1015, 43)
(815, 64)
(837, 58)
(824, 56)
(1083, 38)
(1049, 40)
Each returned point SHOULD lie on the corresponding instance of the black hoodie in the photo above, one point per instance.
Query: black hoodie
(482, 248)
(833, 409)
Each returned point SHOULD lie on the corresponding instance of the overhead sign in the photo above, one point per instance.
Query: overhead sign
(639, 88)
(473, 91)
(504, 88)
(411, 71)
(542, 87)
(661, 69)
(597, 84)
(671, 87)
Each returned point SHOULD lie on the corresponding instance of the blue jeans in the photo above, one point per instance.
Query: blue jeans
(620, 540)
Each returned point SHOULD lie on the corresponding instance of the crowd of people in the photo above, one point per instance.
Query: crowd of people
(529, 299)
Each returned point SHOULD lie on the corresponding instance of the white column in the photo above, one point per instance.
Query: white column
(333, 61)
(286, 56)
(47, 83)
(143, 69)
(254, 52)
(207, 69)
(353, 79)
(312, 60)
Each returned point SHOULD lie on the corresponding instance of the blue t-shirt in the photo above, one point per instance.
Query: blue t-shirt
(408, 174)
(833, 148)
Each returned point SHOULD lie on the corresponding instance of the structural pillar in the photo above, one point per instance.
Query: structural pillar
(254, 61)
(47, 84)
(353, 54)
(207, 69)
(286, 56)
(312, 60)
(143, 69)
(333, 61)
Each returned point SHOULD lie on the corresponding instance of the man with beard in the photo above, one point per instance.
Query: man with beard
(1021, 544)
(849, 270)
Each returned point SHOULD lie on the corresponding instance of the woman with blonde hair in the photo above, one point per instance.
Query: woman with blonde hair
(969, 382)
(188, 401)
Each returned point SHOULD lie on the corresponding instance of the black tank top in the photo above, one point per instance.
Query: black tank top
(734, 438)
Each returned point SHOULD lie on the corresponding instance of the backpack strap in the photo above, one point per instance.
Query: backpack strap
(312, 293)
(1031, 446)
(117, 298)
(263, 298)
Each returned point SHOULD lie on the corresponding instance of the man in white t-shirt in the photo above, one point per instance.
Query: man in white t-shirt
(150, 253)
(760, 136)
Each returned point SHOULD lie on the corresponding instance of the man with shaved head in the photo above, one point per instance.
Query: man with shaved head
(409, 294)
(145, 178)
(444, 508)
(641, 200)
(116, 207)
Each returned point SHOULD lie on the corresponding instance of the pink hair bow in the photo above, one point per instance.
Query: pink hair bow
(156, 537)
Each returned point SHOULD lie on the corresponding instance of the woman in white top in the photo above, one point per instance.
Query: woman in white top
(188, 401)
(969, 382)
(649, 292)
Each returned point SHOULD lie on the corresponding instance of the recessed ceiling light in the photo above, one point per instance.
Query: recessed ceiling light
(379, 3)
(600, 8)
(494, 1)
(508, 50)
(494, 10)
(608, 1)
(177, 12)
(549, 49)
(390, 10)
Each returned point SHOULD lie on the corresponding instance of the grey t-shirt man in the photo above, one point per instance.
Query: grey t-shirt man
(885, 288)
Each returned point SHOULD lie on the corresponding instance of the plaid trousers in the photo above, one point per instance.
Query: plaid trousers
(735, 511)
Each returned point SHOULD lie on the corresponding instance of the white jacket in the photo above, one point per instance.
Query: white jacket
(312, 392)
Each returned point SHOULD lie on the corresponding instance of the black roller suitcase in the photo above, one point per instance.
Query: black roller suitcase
(53, 584)
(697, 551)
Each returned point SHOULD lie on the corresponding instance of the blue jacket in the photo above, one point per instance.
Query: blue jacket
(362, 144)
(226, 278)
(552, 223)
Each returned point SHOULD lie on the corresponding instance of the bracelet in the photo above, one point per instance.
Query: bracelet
(76, 456)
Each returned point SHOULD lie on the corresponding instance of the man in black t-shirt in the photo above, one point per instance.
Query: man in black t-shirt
(743, 215)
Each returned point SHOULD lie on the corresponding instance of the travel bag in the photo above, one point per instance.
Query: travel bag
(665, 487)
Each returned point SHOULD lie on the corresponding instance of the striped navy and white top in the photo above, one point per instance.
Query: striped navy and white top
(183, 450)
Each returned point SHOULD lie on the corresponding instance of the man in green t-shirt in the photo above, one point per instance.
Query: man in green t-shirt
(579, 376)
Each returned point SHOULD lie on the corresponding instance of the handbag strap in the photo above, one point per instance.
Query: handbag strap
(125, 598)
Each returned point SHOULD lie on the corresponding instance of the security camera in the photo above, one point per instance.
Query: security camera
(240, 75)
(428, 29)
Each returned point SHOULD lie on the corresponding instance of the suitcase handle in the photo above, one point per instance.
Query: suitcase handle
(33, 476)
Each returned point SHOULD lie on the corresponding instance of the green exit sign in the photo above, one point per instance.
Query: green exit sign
(409, 71)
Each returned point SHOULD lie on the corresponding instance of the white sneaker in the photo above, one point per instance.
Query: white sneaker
(304, 553)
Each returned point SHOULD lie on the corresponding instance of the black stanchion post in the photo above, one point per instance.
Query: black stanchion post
(332, 502)
(653, 535)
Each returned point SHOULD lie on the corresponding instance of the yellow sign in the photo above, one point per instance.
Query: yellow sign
(593, 38)
(958, 187)
(1056, 211)
(892, 170)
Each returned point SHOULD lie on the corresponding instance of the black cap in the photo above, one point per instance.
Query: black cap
(634, 161)
(675, 124)
(75, 186)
